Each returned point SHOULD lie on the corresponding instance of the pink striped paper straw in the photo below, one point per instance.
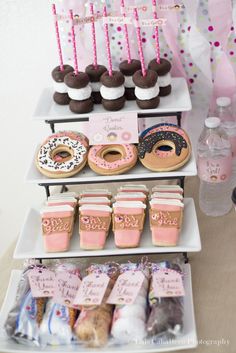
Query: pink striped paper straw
(58, 37)
(74, 42)
(154, 4)
(126, 32)
(107, 43)
(140, 46)
(95, 61)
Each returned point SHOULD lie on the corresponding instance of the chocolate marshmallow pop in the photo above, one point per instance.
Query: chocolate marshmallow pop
(130, 66)
(77, 82)
(60, 96)
(146, 84)
(160, 65)
(112, 89)
(95, 71)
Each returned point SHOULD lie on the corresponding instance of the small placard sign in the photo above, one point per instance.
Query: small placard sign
(41, 282)
(168, 283)
(113, 128)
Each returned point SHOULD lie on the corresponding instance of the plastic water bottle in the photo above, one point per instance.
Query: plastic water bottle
(224, 111)
(214, 169)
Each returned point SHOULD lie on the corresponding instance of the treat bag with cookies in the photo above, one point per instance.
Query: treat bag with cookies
(94, 225)
(128, 221)
(94, 322)
(23, 321)
(165, 221)
(57, 227)
(58, 321)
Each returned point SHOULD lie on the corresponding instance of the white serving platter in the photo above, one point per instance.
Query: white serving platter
(86, 175)
(187, 340)
(30, 240)
(178, 101)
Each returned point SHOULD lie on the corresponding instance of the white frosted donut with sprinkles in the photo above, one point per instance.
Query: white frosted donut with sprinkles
(112, 159)
(62, 154)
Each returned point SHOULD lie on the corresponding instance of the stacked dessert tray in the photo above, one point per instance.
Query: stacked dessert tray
(30, 246)
(173, 105)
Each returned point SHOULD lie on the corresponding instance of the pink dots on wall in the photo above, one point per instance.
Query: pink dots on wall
(210, 28)
(119, 29)
(231, 52)
(217, 44)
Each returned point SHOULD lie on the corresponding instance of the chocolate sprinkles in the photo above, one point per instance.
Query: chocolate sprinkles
(146, 144)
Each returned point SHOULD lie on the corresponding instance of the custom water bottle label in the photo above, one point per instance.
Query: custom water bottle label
(215, 170)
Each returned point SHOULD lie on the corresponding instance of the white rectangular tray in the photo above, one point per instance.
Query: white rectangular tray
(30, 241)
(86, 175)
(186, 341)
(178, 101)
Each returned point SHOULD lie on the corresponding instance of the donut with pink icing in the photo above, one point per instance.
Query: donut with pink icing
(112, 159)
(62, 154)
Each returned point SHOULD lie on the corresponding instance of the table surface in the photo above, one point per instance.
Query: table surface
(213, 276)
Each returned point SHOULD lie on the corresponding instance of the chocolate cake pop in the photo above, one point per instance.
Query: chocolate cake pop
(164, 77)
(95, 74)
(61, 91)
(113, 90)
(146, 89)
(128, 70)
(79, 92)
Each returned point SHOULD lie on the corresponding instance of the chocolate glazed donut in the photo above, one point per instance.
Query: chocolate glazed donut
(95, 76)
(113, 90)
(58, 76)
(128, 70)
(162, 69)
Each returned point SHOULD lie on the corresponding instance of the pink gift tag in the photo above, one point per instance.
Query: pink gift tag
(168, 283)
(66, 288)
(126, 288)
(113, 128)
(42, 282)
(92, 289)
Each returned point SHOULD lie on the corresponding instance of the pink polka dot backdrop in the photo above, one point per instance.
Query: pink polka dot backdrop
(199, 39)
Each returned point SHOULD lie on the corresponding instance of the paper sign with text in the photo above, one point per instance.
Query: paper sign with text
(126, 288)
(113, 128)
(92, 289)
(41, 282)
(117, 20)
(66, 288)
(168, 283)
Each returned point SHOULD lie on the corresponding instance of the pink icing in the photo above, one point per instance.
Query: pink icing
(121, 198)
(163, 235)
(58, 214)
(103, 164)
(92, 240)
(56, 242)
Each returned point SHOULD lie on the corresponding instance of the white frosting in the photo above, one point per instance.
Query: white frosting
(132, 187)
(147, 93)
(112, 93)
(167, 187)
(129, 83)
(96, 86)
(95, 192)
(129, 195)
(166, 195)
(164, 80)
(64, 195)
(46, 162)
(129, 204)
(60, 87)
(52, 209)
(95, 208)
(91, 200)
(171, 202)
(59, 200)
(80, 94)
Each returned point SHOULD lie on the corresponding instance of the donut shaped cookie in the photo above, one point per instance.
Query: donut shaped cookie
(112, 159)
(164, 147)
(62, 155)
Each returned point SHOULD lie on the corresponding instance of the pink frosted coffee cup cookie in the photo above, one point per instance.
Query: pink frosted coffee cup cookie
(57, 227)
(94, 201)
(131, 196)
(94, 224)
(128, 221)
(166, 221)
